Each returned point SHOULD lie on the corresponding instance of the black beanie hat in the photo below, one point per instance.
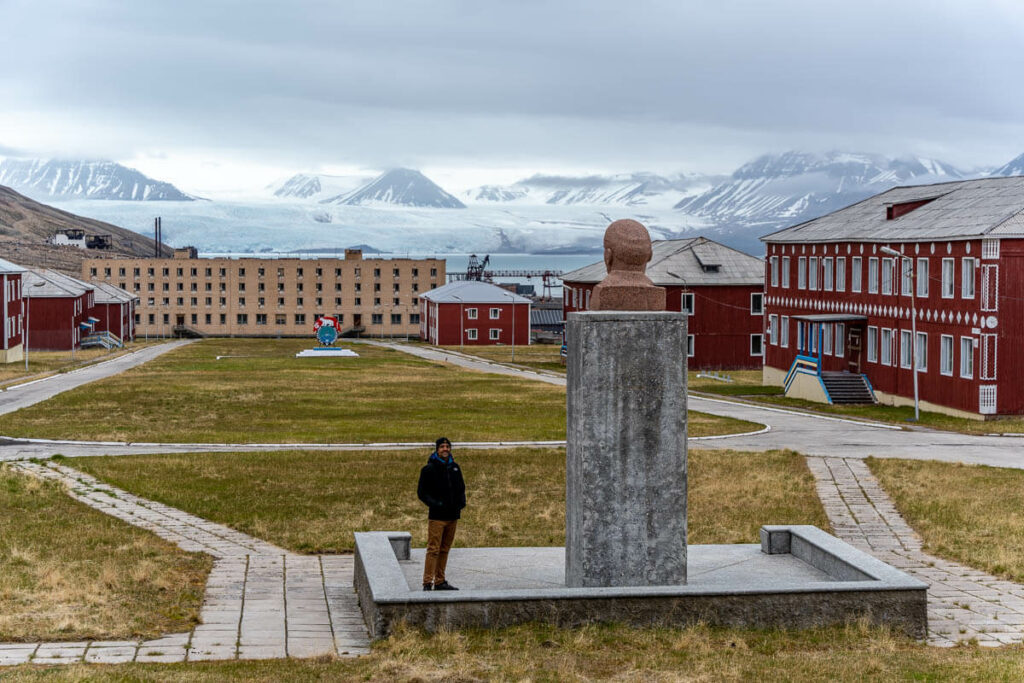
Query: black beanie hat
(437, 444)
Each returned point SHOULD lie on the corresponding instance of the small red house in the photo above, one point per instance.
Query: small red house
(115, 310)
(57, 310)
(11, 313)
(925, 280)
(722, 290)
(477, 313)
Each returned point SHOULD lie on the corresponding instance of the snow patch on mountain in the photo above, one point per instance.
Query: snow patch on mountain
(316, 185)
(1013, 167)
(45, 180)
(627, 190)
(399, 187)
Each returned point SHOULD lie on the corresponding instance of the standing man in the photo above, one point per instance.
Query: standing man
(443, 491)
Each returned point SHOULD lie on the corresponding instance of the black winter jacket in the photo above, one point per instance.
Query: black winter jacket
(442, 489)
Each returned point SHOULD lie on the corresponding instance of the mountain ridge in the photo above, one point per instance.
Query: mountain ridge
(52, 179)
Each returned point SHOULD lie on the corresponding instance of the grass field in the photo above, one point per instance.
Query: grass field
(68, 572)
(534, 356)
(43, 363)
(313, 501)
(968, 513)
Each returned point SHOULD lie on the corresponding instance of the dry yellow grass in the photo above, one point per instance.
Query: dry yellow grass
(68, 572)
(968, 513)
(43, 363)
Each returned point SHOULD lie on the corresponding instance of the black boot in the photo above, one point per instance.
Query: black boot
(445, 586)
(428, 586)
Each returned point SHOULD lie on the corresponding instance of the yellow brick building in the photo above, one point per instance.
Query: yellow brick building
(271, 297)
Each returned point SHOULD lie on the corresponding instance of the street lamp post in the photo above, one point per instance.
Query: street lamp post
(905, 261)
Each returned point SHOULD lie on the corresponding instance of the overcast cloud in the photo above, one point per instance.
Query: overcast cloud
(193, 89)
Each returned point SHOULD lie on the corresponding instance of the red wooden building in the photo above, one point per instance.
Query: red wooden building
(950, 301)
(11, 313)
(478, 313)
(58, 310)
(114, 310)
(722, 289)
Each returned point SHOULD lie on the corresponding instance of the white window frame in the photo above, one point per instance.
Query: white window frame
(907, 276)
(826, 339)
(801, 272)
(968, 272)
(785, 272)
(856, 274)
(841, 274)
(946, 355)
(801, 331)
(922, 278)
(760, 342)
(948, 278)
(967, 359)
(784, 331)
(872, 344)
(889, 276)
(827, 274)
(812, 273)
(683, 298)
(759, 308)
(873, 275)
(922, 352)
(906, 350)
(495, 314)
(470, 314)
(773, 330)
(885, 342)
(690, 344)
(989, 248)
(774, 262)
(840, 346)
(471, 333)
(494, 333)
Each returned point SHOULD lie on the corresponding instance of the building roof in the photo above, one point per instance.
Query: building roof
(693, 261)
(8, 267)
(546, 316)
(472, 292)
(51, 284)
(987, 207)
(107, 293)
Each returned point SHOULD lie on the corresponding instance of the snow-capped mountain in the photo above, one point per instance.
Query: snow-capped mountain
(53, 179)
(399, 187)
(631, 189)
(316, 185)
(1013, 167)
(785, 189)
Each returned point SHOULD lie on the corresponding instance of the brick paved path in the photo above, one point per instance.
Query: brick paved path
(261, 601)
(963, 603)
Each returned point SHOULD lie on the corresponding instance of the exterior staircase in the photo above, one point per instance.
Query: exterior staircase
(107, 340)
(847, 388)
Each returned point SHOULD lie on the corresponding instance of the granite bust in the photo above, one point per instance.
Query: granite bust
(626, 287)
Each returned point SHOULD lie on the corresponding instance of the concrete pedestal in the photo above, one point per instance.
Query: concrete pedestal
(625, 514)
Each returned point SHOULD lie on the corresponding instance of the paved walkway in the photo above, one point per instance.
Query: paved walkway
(963, 603)
(261, 602)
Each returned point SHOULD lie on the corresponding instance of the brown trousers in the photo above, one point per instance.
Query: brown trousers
(440, 535)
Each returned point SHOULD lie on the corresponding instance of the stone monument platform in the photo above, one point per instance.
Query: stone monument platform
(798, 577)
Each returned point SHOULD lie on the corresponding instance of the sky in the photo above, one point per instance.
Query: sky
(225, 95)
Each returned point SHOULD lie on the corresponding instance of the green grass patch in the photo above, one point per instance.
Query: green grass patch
(972, 514)
(313, 501)
(703, 424)
(262, 393)
(68, 572)
(600, 652)
(534, 356)
(43, 363)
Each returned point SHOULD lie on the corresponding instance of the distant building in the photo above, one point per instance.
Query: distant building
(477, 313)
(114, 311)
(721, 288)
(840, 307)
(70, 237)
(268, 297)
(12, 313)
(58, 308)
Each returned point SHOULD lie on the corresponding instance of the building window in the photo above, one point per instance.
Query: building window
(774, 261)
(757, 345)
(905, 349)
(414, 318)
(300, 318)
(495, 313)
(872, 275)
(223, 318)
(800, 332)
(801, 273)
(828, 275)
(785, 272)
(689, 346)
(471, 333)
(812, 273)
(946, 354)
(757, 303)
(840, 339)
(967, 278)
(261, 318)
(967, 357)
(471, 314)
(686, 303)
(209, 319)
(841, 274)
(856, 273)
(947, 278)
(922, 352)
(280, 319)
(888, 275)
(495, 333)
(396, 318)
(907, 277)
(886, 343)
(784, 331)
(990, 249)
(922, 278)
(826, 339)
(773, 330)
(243, 318)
